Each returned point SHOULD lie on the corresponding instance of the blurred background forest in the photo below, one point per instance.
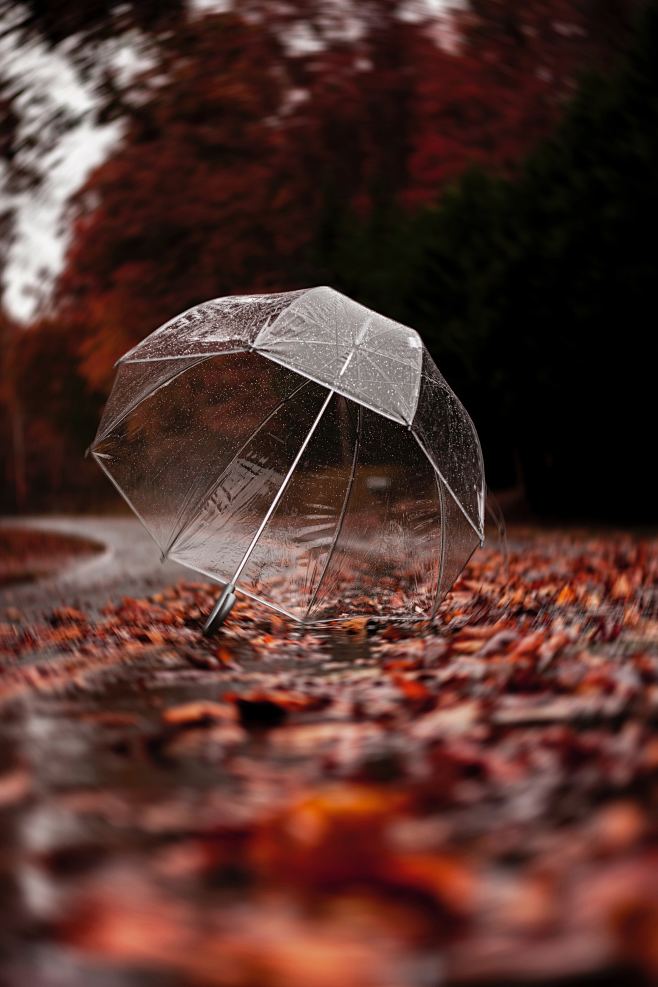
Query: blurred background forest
(485, 172)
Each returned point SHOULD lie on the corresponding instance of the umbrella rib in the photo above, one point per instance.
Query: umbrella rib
(343, 512)
(119, 488)
(442, 554)
(210, 489)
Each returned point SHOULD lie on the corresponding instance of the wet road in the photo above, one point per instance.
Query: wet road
(127, 564)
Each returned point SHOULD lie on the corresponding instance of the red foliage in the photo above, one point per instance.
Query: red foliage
(240, 149)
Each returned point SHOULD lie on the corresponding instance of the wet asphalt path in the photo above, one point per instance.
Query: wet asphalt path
(127, 564)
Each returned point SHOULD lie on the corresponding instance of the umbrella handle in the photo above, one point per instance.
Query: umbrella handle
(220, 611)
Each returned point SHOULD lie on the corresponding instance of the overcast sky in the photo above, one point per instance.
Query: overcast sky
(47, 82)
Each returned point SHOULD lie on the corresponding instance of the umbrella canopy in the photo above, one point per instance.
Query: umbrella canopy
(301, 449)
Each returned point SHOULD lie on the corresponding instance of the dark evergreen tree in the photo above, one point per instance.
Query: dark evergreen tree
(536, 295)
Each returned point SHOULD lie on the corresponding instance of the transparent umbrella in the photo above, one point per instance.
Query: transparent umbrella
(300, 449)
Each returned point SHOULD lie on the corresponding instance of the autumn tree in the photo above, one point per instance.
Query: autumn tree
(240, 152)
(515, 66)
(279, 144)
(192, 205)
(47, 418)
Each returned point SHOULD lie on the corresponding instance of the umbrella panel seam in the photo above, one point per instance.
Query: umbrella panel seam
(149, 394)
(452, 493)
(343, 512)
(338, 390)
(183, 356)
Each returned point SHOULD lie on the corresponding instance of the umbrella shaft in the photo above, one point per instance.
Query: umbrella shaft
(280, 492)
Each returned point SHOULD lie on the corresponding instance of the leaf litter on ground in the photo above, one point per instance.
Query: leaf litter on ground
(468, 802)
